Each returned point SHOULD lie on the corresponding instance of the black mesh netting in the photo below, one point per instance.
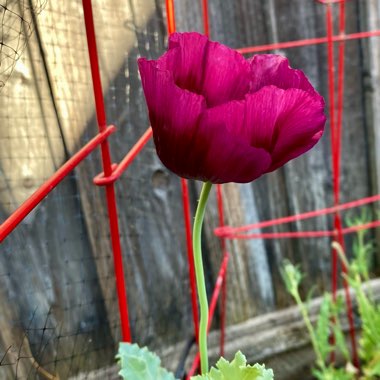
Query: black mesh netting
(16, 23)
(58, 301)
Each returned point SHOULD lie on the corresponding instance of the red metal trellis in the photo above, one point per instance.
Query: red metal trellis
(18, 216)
(107, 167)
(111, 172)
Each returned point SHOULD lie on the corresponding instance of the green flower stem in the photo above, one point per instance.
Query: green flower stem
(199, 273)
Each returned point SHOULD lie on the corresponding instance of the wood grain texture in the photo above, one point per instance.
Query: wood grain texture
(57, 273)
(369, 12)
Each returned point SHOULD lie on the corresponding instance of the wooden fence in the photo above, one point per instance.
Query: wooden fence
(57, 293)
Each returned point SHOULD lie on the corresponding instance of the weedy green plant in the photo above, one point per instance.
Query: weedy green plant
(321, 332)
(141, 364)
(369, 349)
(369, 312)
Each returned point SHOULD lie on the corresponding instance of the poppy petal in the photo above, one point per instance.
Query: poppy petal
(286, 122)
(209, 68)
(227, 156)
(300, 126)
(183, 59)
(173, 114)
(273, 69)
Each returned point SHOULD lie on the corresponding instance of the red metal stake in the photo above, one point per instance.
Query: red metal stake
(107, 168)
(338, 146)
(170, 16)
(336, 132)
(206, 24)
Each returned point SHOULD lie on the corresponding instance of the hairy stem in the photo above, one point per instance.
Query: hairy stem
(310, 329)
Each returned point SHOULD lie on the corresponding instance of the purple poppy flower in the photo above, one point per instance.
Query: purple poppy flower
(221, 118)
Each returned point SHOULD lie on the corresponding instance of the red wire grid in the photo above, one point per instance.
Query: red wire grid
(107, 167)
(233, 232)
(111, 173)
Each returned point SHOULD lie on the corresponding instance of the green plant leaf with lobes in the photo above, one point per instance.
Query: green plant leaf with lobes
(237, 369)
(140, 364)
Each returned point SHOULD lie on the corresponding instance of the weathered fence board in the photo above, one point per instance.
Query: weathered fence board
(61, 255)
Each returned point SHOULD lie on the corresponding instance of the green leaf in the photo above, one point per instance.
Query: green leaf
(322, 331)
(140, 364)
(331, 373)
(373, 367)
(237, 369)
(337, 308)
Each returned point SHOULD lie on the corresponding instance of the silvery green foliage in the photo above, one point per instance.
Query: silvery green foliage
(140, 364)
(237, 369)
